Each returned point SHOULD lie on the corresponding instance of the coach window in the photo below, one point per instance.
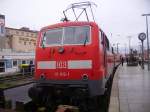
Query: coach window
(112, 49)
(107, 43)
(100, 39)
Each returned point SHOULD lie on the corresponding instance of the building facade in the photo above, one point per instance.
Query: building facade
(20, 40)
(10, 61)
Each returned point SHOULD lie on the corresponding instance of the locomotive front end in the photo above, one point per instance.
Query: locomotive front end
(67, 63)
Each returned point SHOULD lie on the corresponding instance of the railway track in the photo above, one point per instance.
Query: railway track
(16, 80)
(15, 77)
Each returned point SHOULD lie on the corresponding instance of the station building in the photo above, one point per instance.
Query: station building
(17, 46)
(10, 61)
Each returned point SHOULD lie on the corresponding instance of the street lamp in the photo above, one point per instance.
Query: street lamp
(129, 43)
(146, 15)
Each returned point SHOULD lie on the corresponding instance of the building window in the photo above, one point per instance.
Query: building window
(29, 43)
(17, 32)
(25, 43)
(15, 63)
(31, 62)
(2, 66)
(22, 33)
(7, 31)
(27, 34)
(34, 44)
(8, 63)
(23, 62)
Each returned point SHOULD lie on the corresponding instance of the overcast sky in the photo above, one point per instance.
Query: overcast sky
(121, 18)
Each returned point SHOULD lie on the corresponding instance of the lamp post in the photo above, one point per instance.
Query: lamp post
(140, 49)
(117, 48)
(125, 49)
(146, 15)
(129, 43)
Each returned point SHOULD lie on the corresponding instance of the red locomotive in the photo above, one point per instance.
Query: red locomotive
(74, 62)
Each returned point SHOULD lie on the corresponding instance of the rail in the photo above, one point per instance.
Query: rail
(15, 77)
(15, 80)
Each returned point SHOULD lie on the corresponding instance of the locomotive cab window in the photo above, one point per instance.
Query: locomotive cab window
(53, 36)
(75, 35)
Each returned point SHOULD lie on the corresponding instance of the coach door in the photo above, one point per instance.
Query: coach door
(103, 38)
(103, 45)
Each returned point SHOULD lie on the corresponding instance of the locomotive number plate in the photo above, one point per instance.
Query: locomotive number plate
(62, 74)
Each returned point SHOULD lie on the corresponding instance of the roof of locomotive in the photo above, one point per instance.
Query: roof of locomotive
(68, 23)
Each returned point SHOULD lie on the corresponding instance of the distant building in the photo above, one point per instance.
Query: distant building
(20, 40)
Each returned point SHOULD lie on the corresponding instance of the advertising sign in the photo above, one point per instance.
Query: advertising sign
(2, 25)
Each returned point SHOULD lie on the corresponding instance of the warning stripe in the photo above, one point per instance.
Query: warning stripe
(71, 64)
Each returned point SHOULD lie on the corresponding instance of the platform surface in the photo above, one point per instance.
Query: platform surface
(131, 90)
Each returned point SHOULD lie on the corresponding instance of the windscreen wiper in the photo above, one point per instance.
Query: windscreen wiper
(43, 39)
(86, 37)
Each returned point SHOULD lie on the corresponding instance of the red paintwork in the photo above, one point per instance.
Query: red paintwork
(92, 52)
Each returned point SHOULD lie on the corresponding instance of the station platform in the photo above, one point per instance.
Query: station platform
(130, 90)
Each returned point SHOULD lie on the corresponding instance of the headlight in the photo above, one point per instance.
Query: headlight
(42, 76)
(85, 77)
